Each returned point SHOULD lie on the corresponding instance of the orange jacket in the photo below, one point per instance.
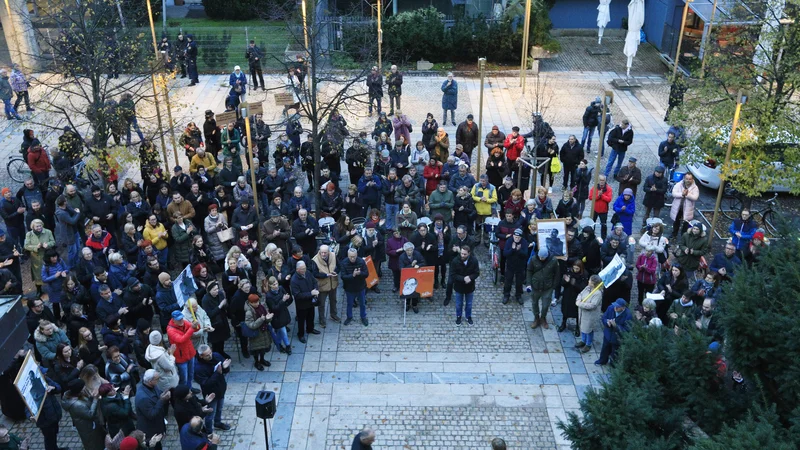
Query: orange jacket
(181, 337)
(601, 205)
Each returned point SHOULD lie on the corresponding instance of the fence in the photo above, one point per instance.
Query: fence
(219, 49)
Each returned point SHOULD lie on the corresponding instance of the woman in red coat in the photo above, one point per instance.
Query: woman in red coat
(432, 175)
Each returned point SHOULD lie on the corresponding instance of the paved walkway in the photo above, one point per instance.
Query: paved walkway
(428, 384)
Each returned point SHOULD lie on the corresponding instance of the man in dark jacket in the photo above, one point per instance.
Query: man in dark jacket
(369, 186)
(191, 60)
(193, 436)
(354, 273)
(425, 243)
(655, 191)
(515, 254)
(543, 277)
(375, 88)
(151, 406)
(211, 133)
(591, 119)
(109, 304)
(618, 139)
(209, 372)
(253, 55)
(467, 135)
(12, 210)
(395, 83)
(669, 151)
(629, 176)
(389, 187)
(571, 155)
(244, 218)
(50, 415)
(165, 299)
(616, 320)
(305, 291)
(465, 270)
(138, 298)
(101, 208)
(304, 231)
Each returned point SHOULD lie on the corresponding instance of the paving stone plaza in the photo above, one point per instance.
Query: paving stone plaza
(430, 384)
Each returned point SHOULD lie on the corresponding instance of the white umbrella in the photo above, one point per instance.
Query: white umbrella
(635, 23)
(603, 17)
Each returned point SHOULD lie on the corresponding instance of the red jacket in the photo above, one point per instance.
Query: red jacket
(38, 161)
(181, 337)
(98, 246)
(514, 147)
(432, 175)
(601, 205)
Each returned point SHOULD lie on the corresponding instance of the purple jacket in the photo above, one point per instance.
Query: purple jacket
(392, 246)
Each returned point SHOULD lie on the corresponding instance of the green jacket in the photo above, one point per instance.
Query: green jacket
(117, 412)
(182, 245)
(697, 244)
(442, 204)
(543, 275)
(13, 443)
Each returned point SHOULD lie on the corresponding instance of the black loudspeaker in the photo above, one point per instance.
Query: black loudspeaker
(265, 404)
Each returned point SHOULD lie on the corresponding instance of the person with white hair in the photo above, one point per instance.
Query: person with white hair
(646, 271)
(238, 83)
(151, 405)
(196, 313)
(354, 273)
(364, 440)
(305, 289)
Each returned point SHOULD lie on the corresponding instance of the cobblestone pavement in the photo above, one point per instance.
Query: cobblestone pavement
(427, 384)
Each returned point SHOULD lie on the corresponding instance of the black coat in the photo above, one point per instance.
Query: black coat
(655, 198)
(209, 380)
(353, 283)
(278, 307)
(459, 270)
(301, 290)
(150, 410)
(591, 117)
(571, 155)
(615, 135)
(421, 244)
(218, 316)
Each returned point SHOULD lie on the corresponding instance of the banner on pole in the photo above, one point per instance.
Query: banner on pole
(184, 285)
(612, 271)
(419, 281)
(372, 274)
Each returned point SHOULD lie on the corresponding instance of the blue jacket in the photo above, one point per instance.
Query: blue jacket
(150, 410)
(167, 302)
(242, 77)
(105, 308)
(118, 275)
(370, 195)
(623, 321)
(191, 440)
(456, 181)
(625, 217)
(209, 380)
(450, 95)
(730, 264)
(53, 284)
(747, 230)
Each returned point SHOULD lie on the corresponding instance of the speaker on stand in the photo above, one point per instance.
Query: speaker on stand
(265, 410)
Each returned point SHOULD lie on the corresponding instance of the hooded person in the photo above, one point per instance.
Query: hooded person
(162, 361)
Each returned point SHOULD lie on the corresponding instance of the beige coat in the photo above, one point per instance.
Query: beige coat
(164, 364)
(589, 313)
(329, 283)
(200, 336)
(32, 241)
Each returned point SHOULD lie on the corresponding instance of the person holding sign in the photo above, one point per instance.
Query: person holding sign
(411, 258)
(354, 275)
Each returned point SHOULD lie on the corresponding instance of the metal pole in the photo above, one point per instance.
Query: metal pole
(680, 40)
(121, 17)
(380, 36)
(266, 433)
(164, 91)
(482, 66)
(526, 31)
(164, 17)
(250, 156)
(742, 98)
(706, 42)
(606, 98)
(305, 27)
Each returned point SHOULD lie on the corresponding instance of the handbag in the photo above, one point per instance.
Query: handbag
(555, 165)
(225, 235)
(248, 332)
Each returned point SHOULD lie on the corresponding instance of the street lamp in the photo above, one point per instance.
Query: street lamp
(305, 28)
(166, 96)
(741, 99)
(380, 35)
(482, 67)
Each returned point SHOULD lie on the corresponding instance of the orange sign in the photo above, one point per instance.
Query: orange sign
(417, 280)
(372, 274)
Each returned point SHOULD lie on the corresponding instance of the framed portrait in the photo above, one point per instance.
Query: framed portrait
(31, 384)
(552, 235)
(417, 281)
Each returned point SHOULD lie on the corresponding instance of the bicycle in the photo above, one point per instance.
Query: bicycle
(18, 169)
(494, 249)
(764, 216)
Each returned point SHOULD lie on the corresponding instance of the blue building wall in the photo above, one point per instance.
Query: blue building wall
(583, 13)
(658, 14)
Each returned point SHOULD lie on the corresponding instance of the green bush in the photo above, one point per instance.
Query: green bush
(420, 34)
(238, 9)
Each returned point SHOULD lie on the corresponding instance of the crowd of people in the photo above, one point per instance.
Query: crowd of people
(102, 262)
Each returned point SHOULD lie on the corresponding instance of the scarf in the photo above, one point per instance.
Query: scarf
(261, 311)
